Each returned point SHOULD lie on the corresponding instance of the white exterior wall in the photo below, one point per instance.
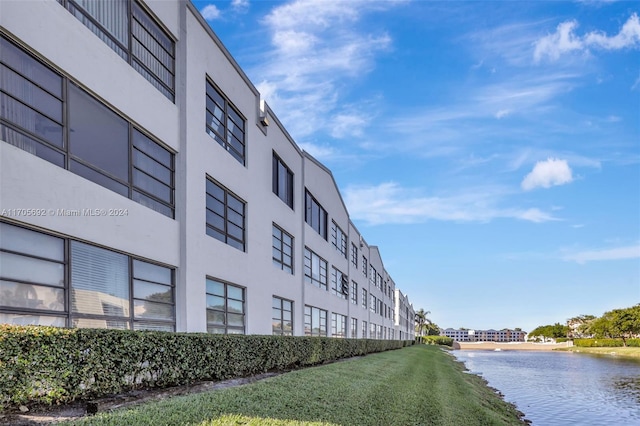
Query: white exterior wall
(48, 30)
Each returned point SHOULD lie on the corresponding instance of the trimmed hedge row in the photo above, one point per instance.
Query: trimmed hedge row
(436, 340)
(49, 365)
(605, 343)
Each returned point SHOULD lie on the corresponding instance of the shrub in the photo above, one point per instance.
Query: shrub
(437, 340)
(48, 365)
(605, 343)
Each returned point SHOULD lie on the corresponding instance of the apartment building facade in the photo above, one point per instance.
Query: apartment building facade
(146, 185)
(504, 335)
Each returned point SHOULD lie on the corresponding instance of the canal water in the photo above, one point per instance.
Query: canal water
(562, 388)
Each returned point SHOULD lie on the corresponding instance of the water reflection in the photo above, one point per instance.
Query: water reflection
(561, 388)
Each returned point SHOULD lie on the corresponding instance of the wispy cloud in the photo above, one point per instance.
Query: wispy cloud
(389, 203)
(565, 40)
(545, 174)
(617, 253)
(240, 5)
(316, 49)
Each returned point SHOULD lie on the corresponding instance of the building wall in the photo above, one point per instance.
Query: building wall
(48, 31)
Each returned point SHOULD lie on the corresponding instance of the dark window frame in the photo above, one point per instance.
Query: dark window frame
(338, 234)
(228, 112)
(280, 261)
(225, 311)
(309, 323)
(315, 215)
(280, 172)
(69, 160)
(281, 319)
(338, 279)
(223, 234)
(309, 256)
(67, 314)
(136, 14)
(342, 333)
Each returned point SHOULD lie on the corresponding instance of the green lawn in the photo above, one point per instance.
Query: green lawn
(419, 385)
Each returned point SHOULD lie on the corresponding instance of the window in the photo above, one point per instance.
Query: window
(282, 316)
(225, 308)
(225, 124)
(380, 332)
(315, 321)
(338, 239)
(282, 248)
(379, 281)
(365, 266)
(103, 289)
(364, 329)
(354, 255)
(380, 310)
(225, 216)
(339, 284)
(133, 34)
(52, 118)
(364, 298)
(338, 325)
(372, 276)
(315, 215)
(353, 332)
(315, 269)
(372, 331)
(282, 181)
(354, 292)
(105, 292)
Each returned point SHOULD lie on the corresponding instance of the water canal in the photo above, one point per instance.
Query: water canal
(562, 388)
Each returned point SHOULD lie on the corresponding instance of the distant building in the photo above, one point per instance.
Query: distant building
(504, 335)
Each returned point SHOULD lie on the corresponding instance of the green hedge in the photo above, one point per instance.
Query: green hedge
(436, 340)
(605, 343)
(49, 365)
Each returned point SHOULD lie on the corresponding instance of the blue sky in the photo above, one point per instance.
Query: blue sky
(490, 149)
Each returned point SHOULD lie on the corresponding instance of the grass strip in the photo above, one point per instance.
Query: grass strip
(622, 352)
(419, 385)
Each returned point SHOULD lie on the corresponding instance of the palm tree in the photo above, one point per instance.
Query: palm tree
(421, 319)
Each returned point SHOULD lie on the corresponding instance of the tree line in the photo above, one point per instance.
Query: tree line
(621, 323)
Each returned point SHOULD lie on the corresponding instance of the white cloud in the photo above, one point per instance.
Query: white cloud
(618, 253)
(240, 5)
(545, 174)
(502, 113)
(565, 40)
(210, 12)
(389, 203)
(316, 48)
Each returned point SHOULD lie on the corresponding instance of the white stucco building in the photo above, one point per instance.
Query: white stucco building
(144, 184)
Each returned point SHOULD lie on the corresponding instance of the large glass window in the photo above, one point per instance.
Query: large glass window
(282, 181)
(364, 298)
(225, 308)
(338, 325)
(225, 124)
(106, 289)
(353, 332)
(282, 249)
(132, 33)
(372, 331)
(282, 316)
(315, 321)
(315, 215)
(315, 269)
(354, 292)
(87, 137)
(225, 216)
(364, 329)
(338, 239)
(339, 283)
